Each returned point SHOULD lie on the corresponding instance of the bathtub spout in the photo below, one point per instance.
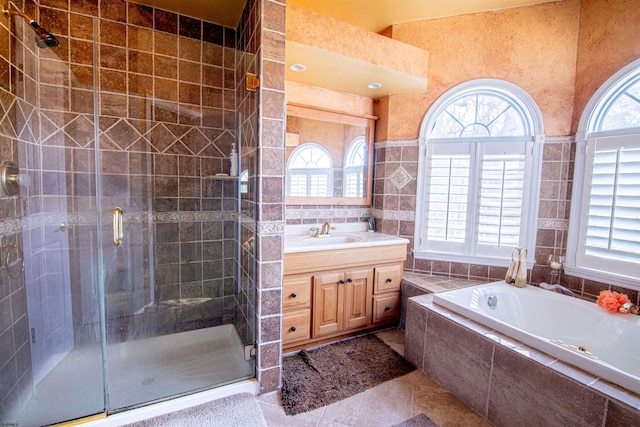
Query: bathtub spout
(557, 288)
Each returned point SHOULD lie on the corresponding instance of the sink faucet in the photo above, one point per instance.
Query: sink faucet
(326, 230)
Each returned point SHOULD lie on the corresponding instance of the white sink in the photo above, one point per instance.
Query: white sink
(348, 236)
(331, 240)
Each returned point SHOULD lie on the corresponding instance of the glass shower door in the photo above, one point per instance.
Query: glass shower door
(51, 327)
(175, 323)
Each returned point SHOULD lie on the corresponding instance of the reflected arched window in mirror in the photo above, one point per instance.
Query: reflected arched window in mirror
(354, 167)
(309, 171)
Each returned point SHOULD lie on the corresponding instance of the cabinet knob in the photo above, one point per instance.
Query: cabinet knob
(387, 308)
(389, 280)
(341, 282)
(349, 280)
(293, 329)
(293, 295)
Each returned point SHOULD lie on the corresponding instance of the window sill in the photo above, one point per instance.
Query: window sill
(603, 277)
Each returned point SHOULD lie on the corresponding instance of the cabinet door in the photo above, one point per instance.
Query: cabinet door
(357, 303)
(328, 296)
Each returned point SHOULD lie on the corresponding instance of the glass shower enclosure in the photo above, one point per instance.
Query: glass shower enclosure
(126, 260)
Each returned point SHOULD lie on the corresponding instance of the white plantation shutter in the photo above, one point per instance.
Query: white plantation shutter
(501, 199)
(297, 183)
(318, 183)
(354, 181)
(448, 186)
(604, 228)
(611, 236)
(354, 168)
(469, 211)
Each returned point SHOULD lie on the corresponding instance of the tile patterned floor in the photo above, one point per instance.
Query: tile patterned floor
(385, 405)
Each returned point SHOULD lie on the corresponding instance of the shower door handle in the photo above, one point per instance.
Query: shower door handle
(118, 232)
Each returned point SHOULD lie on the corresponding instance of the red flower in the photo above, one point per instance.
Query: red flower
(611, 300)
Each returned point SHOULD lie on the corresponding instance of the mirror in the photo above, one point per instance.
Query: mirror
(328, 157)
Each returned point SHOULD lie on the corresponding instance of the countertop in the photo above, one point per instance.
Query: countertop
(299, 238)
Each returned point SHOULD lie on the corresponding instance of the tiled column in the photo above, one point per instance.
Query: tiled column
(270, 231)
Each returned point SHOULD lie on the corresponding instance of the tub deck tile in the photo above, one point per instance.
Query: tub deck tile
(532, 394)
(459, 359)
(619, 393)
(546, 391)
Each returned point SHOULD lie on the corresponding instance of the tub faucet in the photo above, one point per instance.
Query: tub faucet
(326, 230)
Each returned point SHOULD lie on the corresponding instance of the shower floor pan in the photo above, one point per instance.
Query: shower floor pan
(141, 372)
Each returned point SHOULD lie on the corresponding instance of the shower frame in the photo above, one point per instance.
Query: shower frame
(72, 209)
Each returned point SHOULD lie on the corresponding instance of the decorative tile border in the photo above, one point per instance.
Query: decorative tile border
(265, 228)
(553, 224)
(396, 143)
(559, 139)
(292, 213)
(394, 215)
(16, 225)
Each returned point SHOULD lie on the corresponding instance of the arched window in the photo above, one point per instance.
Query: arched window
(479, 173)
(604, 230)
(354, 167)
(309, 172)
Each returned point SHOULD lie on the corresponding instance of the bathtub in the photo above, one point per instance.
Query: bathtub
(575, 331)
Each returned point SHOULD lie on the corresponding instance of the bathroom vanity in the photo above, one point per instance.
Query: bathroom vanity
(339, 285)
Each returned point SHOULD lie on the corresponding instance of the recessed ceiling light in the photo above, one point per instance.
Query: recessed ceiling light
(374, 85)
(297, 67)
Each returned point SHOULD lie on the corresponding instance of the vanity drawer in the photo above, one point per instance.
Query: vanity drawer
(297, 293)
(388, 278)
(386, 307)
(296, 326)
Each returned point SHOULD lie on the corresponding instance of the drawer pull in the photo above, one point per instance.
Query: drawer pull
(387, 308)
(293, 329)
(341, 282)
(349, 280)
(389, 280)
(293, 295)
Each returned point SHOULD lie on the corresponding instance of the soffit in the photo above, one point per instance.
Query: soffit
(376, 15)
(222, 12)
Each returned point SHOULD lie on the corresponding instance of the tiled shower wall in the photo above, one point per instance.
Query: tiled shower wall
(395, 189)
(167, 109)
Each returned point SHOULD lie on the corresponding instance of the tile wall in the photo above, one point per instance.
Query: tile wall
(270, 189)
(394, 204)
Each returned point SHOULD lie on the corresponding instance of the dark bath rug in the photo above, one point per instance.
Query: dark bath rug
(420, 420)
(315, 378)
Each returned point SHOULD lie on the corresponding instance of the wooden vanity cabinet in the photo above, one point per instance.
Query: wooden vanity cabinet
(331, 294)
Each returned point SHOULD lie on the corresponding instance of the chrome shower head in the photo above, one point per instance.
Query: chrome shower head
(44, 38)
